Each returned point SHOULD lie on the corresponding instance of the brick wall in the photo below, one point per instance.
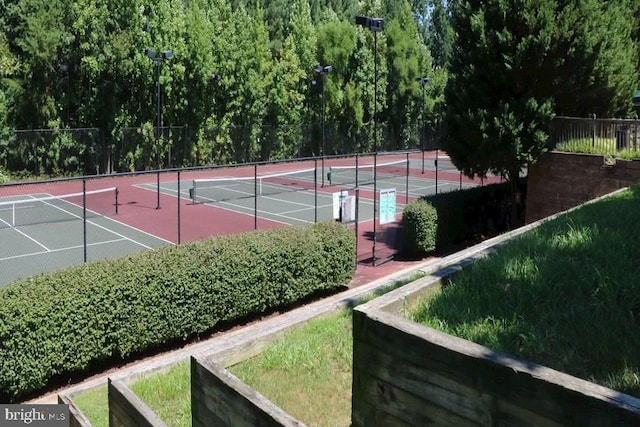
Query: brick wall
(559, 181)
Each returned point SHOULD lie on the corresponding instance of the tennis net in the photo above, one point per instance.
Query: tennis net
(233, 188)
(364, 174)
(50, 209)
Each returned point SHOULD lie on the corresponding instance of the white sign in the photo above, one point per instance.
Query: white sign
(338, 200)
(387, 210)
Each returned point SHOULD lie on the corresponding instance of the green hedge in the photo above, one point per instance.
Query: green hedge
(470, 215)
(420, 223)
(54, 325)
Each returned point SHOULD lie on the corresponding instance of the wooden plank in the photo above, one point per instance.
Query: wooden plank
(364, 415)
(128, 410)
(420, 381)
(443, 392)
(408, 408)
(76, 417)
(527, 385)
(224, 396)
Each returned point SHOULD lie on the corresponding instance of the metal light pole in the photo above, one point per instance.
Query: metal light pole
(158, 58)
(423, 82)
(323, 70)
(375, 25)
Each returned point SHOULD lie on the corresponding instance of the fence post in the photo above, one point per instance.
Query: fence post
(593, 130)
(84, 217)
(179, 200)
(255, 196)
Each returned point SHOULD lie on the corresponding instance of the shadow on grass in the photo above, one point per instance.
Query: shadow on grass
(566, 295)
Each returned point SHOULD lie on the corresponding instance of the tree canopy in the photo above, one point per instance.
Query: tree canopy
(237, 88)
(515, 64)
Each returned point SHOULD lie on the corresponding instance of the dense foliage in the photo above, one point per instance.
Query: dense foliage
(474, 214)
(82, 64)
(517, 63)
(420, 226)
(56, 324)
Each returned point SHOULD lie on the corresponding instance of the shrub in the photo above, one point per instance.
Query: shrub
(58, 324)
(420, 224)
(473, 214)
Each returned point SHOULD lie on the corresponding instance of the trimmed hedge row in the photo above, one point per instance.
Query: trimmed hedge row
(58, 324)
(472, 214)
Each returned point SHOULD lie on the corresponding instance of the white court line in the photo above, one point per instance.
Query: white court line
(121, 237)
(60, 250)
(98, 225)
(27, 236)
(306, 209)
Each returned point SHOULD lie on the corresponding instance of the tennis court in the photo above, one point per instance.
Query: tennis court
(41, 233)
(299, 197)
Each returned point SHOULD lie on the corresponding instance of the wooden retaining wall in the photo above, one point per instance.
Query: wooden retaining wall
(559, 181)
(410, 375)
(219, 398)
(126, 409)
(76, 417)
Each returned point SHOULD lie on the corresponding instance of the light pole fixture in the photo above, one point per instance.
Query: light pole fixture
(158, 58)
(323, 70)
(376, 25)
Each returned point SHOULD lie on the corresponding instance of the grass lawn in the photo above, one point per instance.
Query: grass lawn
(308, 372)
(94, 406)
(168, 394)
(566, 295)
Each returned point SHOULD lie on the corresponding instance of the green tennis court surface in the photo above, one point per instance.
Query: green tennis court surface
(42, 234)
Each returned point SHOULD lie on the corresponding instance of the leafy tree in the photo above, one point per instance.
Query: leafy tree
(407, 59)
(285, 108)
(439, 33)
(345, 90)
(514, 62)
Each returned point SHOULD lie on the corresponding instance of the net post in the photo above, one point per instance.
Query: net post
(158, 188)
(116, 193)
(84, 217)
(423, 160)
(193, 192)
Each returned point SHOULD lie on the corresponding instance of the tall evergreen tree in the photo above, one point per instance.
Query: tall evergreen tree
(439, 34)
(515, 61)
(407, 59)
